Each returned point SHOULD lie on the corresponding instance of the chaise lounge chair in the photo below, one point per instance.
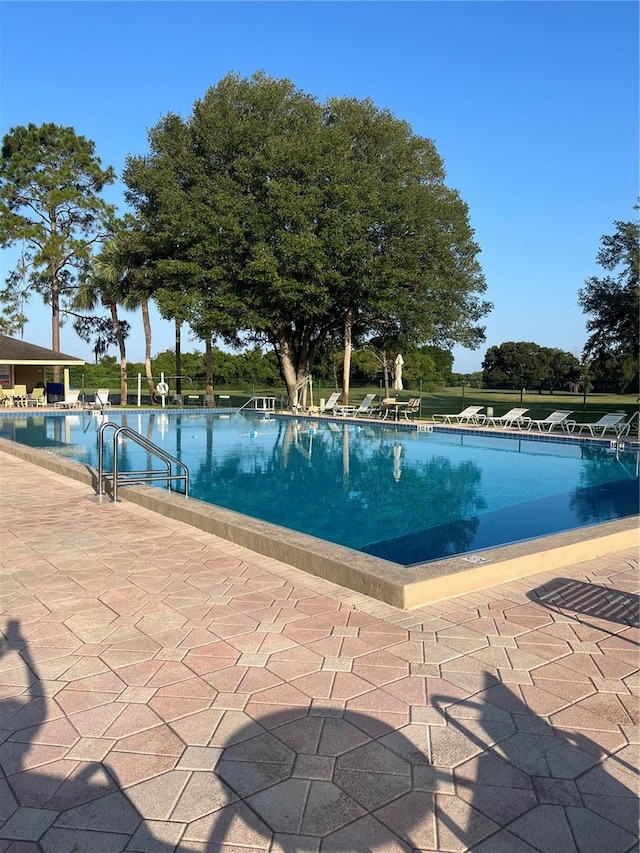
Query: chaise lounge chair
(514, 417)
(101, 400)
(466, 416)
(365, 407)
(614, 422)
(550, 422)
(330, 405)
(70, 401)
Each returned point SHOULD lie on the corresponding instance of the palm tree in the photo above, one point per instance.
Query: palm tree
(118, 282)
(106, 285)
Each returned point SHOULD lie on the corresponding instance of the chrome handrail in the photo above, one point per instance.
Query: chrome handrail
(136, 477)
(271, 407)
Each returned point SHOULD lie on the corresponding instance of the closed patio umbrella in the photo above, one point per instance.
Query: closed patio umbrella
(397, 379)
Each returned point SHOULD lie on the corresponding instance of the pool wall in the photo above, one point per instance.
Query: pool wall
(372, 576)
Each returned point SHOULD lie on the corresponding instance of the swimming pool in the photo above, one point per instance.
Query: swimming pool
(401, 494)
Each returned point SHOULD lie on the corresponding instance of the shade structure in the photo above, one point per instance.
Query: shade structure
(397, 377)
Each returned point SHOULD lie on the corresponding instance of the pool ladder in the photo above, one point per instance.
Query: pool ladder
(121, 478)
(261, 403)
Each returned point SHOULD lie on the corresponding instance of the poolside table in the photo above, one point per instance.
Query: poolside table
(390, 404)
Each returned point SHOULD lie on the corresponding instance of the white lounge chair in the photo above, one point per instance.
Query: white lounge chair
(550, 422)
(330, 405)
(365, 407)
(466, 416)
(514, 417)
(101, 400)
(70, 401)
(614, 422)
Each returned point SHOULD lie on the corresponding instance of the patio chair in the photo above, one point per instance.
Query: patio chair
(514, 417)
(550, 422)
(19, 394)
(470, 415)
(37, 397)
(614, 422)
(330, 405)
(412, 407)
(70, 401)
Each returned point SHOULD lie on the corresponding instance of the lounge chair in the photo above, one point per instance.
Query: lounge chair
(514, 417)
(101, 400)
(330, 405)
(614, 422)
(70, 401)
(365, 407)
(470, 415)
(550, 422)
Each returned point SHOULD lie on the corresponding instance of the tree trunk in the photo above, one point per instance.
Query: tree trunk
(146, 325)
(346, 364)
(178, 356)
(208, 358)
(55, 320)
(385, 373)
(289, 376)
(295, 368)
(117, 328)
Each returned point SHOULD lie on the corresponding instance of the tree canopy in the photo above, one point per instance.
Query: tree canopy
(50, 185)
(523, 364)
(613, 305)
(295, 223)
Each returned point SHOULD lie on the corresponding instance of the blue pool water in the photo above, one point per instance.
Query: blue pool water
(406, 496)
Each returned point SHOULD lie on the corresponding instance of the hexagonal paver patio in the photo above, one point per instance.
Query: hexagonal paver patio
(165, 691)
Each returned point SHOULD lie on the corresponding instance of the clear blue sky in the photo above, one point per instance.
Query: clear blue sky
(533, 107)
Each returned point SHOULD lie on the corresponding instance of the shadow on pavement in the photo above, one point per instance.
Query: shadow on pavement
(322, 779)
(566, 595)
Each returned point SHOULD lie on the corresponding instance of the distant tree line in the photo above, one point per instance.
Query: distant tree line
(525, 365)
(426, 367)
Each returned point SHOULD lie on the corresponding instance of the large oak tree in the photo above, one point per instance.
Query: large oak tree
(303, 222)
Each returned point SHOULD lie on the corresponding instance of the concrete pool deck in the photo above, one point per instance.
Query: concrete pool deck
(162, 689)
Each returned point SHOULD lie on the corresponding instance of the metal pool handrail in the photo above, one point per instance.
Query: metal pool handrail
(135, 477)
